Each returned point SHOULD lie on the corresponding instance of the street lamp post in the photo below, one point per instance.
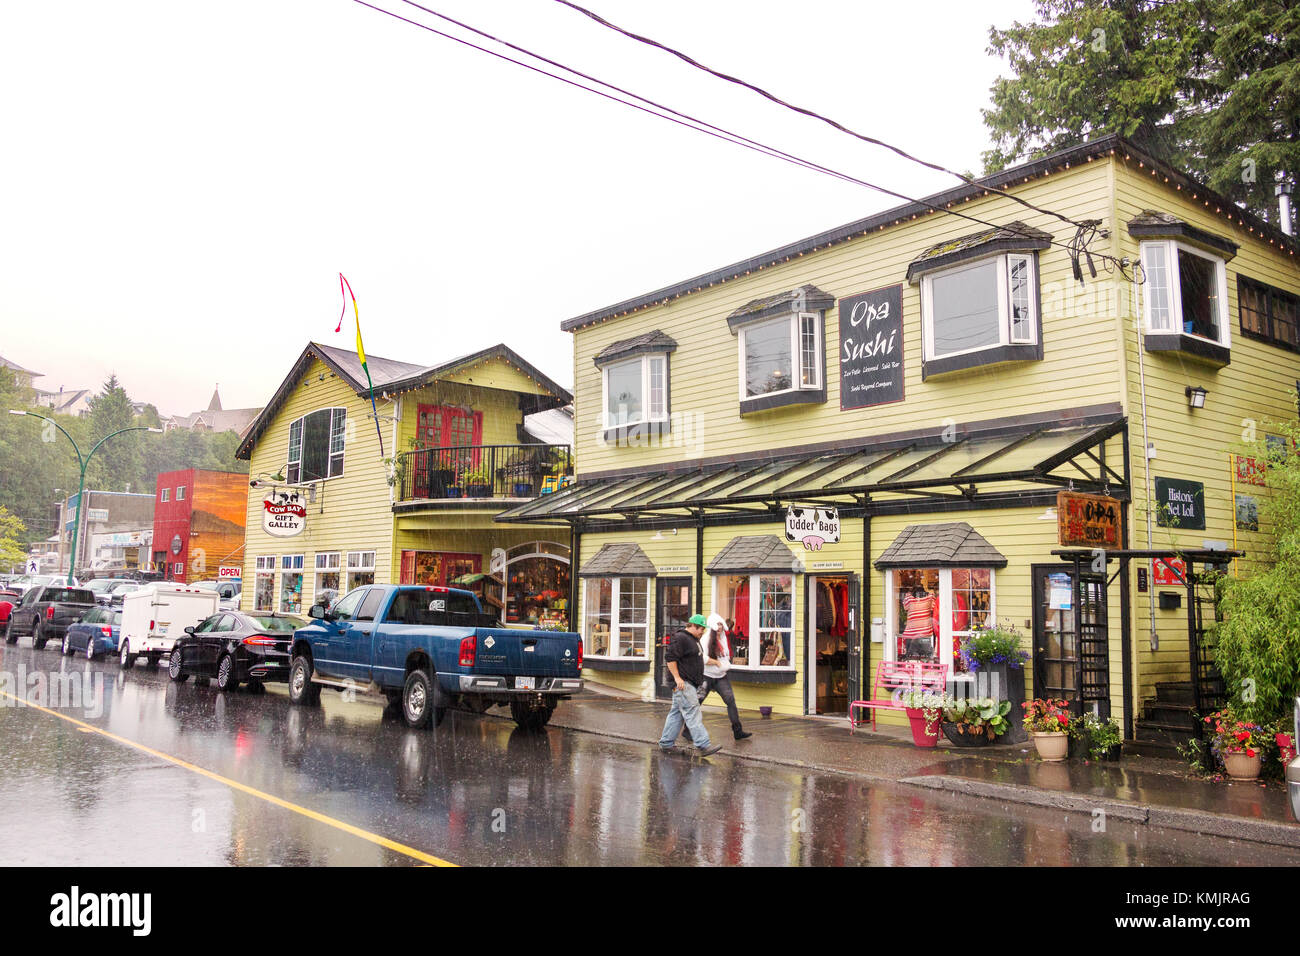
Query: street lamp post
(83, 461)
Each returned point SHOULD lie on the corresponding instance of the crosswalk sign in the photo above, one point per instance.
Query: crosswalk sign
(33, 566)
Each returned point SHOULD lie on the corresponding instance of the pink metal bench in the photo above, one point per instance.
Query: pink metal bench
(895, 676)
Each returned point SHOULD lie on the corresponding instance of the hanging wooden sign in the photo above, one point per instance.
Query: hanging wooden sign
(1087, 521)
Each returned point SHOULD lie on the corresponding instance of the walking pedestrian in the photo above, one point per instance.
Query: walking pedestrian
(686, 664)
(717, 661)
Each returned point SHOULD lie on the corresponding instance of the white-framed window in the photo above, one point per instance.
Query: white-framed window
(180, 492)
(929, 611)
(165, 495)
(979, 305)
(1186, 291)
(178, 569)
(759, 609)
(327, 572)
(616, 617)
(291, 583)
(264, 582)
(316, 446)
(781, 355)
(635, 391)
(361, 569)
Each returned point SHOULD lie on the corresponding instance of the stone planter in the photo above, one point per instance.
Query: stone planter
(1241, 767)
(922, 729)
(1051, 747)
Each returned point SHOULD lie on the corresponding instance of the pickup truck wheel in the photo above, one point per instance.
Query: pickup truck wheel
(126, 659)
(226, 679)
(38, 638)
(301, 690)
(174, 669)
(418, 699)
(10, 636)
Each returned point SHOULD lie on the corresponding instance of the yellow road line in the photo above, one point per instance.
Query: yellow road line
(236, 785)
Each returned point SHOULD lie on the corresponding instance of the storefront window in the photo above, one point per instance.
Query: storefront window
(361, 569)
(761, 630)
(291, 584)
(327, 577)
(919, 598)
(438, 568)
(537, 584)
(616, 619)
(264, 584)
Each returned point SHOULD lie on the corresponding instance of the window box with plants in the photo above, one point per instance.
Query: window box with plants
(1047, 721)
(975, 721)
(478, 483)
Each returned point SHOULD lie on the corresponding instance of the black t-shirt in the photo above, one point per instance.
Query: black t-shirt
(684, 648)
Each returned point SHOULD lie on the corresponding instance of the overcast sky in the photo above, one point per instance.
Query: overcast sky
(182, 182)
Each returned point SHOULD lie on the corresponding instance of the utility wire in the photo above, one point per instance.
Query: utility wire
(813, 114)
(692, 122)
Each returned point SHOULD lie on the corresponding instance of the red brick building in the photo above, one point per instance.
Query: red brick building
(198, 523)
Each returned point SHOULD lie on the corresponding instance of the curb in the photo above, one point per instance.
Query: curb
(1192, 821)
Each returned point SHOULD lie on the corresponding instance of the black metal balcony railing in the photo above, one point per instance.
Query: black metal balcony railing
(483, 471)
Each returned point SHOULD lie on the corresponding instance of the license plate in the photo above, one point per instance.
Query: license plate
(526, 683)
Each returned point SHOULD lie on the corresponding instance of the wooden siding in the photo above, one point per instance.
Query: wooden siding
(501, 414)
(704, 368)
(352, 512)
(1256, 387)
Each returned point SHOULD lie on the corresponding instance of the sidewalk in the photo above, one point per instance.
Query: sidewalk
(1146, 790)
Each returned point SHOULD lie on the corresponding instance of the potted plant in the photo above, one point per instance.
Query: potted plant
(975, 721)
(995, 657)
(924, 712)
(1047, 721)
(523, 489)
(478, 483)
(1098, 739)
(1239, 744)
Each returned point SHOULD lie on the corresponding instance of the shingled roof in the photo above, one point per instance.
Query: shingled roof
(1013, 237)
(656, 341)
(623, 559)
(751, 553)
(806, 298)
(1156, 224)
(953, 544)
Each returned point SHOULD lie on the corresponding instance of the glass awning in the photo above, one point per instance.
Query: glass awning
(1067, 454)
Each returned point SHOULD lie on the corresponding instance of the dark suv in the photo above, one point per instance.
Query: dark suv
(46, 612)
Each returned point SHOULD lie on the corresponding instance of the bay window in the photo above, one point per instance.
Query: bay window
(1186, 291)
(615, 618)
(759, 609)
(981, 307)
(929, 611)
(782, 360)
(636, 391)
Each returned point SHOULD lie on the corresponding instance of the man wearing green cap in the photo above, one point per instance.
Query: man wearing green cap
(686, 664)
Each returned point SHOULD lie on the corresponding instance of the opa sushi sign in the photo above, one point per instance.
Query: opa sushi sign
(283, 514)
(812, 526)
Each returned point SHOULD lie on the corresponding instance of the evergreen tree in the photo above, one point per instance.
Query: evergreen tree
(118, 462)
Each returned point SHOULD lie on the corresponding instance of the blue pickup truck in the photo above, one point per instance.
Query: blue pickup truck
(430, 648)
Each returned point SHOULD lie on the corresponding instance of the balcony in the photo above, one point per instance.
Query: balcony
(483, 471)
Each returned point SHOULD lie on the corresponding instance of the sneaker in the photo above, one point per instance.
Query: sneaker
(710, 750)
(743, 734)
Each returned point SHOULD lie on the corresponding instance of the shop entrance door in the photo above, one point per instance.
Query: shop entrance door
(829, 637)
(673, 608)
(1070, 637)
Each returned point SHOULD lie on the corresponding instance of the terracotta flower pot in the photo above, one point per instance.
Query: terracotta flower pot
(1051, 747)
(925, 733)
(1241, 767)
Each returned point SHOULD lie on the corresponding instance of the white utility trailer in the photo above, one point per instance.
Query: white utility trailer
(156, 615)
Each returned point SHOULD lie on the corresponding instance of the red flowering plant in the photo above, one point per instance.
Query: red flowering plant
(1228, 734)
(1047, 715)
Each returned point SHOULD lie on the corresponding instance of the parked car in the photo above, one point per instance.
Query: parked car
(100, 587)
(96, 633)
(228, 591)
(25, 582)
(9, 599)
(1293, 768)
(119, 591)
(233, 647)
(154, 616)
(46, 612)
(430, 648)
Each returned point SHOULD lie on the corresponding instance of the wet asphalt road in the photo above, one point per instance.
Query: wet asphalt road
(349, 784)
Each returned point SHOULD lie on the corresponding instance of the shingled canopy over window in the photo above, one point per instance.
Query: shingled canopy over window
(624, 560)
(953, 544)
(753, 554)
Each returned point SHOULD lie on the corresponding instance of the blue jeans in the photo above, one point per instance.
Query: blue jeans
(686, 709)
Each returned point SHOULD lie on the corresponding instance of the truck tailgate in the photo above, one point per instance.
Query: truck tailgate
(507, 651)
(66, 614)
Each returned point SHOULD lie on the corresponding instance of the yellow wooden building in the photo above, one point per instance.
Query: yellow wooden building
(853, 447)
(461, 441)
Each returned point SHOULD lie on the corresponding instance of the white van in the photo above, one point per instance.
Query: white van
(154, 616)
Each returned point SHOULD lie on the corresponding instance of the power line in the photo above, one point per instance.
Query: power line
(815, 115)
(691, 122)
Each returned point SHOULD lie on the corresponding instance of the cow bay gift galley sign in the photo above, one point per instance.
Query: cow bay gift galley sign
(871, 348)
(813, 526)
(283, 514)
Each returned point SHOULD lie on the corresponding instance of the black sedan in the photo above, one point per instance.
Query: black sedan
(234, 647)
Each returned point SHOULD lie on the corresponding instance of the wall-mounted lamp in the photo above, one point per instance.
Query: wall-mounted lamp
(1195, 396)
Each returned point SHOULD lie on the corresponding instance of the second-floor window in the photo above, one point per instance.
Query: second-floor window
(1269, 314)
(981, 305)
(180, 492)
(316, 445)
(166, 495)
(1186, 291)
(636, 391)
(781, 355)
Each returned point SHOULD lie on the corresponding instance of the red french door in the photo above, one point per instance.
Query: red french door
(445, 426)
